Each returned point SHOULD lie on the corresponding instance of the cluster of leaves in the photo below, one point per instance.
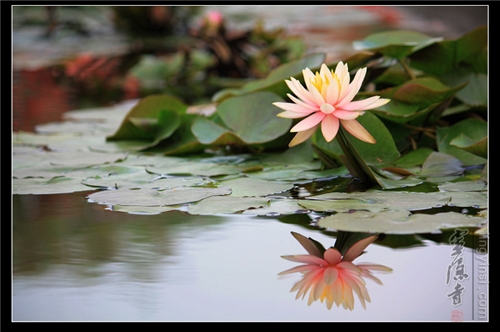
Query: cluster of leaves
(232, 155)
(434, 127)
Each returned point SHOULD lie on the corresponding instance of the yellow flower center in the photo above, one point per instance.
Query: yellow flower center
(318, 81)
(322, 83)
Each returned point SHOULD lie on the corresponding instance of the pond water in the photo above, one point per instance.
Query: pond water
(78, 261)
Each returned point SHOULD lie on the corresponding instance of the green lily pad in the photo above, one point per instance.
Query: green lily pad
(470, 50)
(193, 168)
(252, 117)
(210, 133)
(395, 44)
(84, 159)
(375, 201)
(140, 180)
(475, 129)
(152, 197)
(153, 118)
(441, 164)
(477, 147)
(276, 207)
(422, 91)
(382, 152)
(398, 222)
(59, 184)
(226, 204)
(242, 187)
(478, 185)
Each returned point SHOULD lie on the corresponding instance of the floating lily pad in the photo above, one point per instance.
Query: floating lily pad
(227, 204)
(250, 119)
(140, 180)
(398, 222)
(151, 197)
(375, 201)
(87, 159)
(479, 185)
(242, 187)
(41, 186)
(277, 207)
(194, 168)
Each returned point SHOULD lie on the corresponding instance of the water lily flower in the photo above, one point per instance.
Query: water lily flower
(329, 276)
(327, 100)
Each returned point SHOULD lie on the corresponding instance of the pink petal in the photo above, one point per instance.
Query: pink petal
(358, 131)
(330, 275)
(290, 115)
(293, 108)
(299, 268)
(350, 267)
(353, 88)
(342, 73)
(302, 136)
(308, 259)
(303, 104)
(330, 127)
(300, 91)
(372, 277)
(310, 122)
(357, 248)
(366, 104)
(346, 115)
(332, 256)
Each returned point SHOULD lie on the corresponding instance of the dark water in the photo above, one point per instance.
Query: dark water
(79, 261)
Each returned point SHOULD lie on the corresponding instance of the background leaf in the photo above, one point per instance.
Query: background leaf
(396, 44)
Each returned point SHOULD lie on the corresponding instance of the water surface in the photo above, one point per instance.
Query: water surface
(79, 261)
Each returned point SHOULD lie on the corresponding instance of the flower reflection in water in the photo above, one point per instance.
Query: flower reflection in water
(327, 275)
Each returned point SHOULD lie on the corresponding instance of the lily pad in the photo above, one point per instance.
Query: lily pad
(396, 44)
(479, 185)
(475, 129)
(441, 164)
(479, 147)
(375, 201)
(277, 207)
(226, 204)
(242, 187)
(250, 119)
(85, 159)
(141, 180)
(398, 222)
(41, 186)
(151, 197)
(152, 119)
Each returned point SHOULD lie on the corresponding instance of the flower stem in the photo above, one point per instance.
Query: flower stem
(354, 167)
(407, 68)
